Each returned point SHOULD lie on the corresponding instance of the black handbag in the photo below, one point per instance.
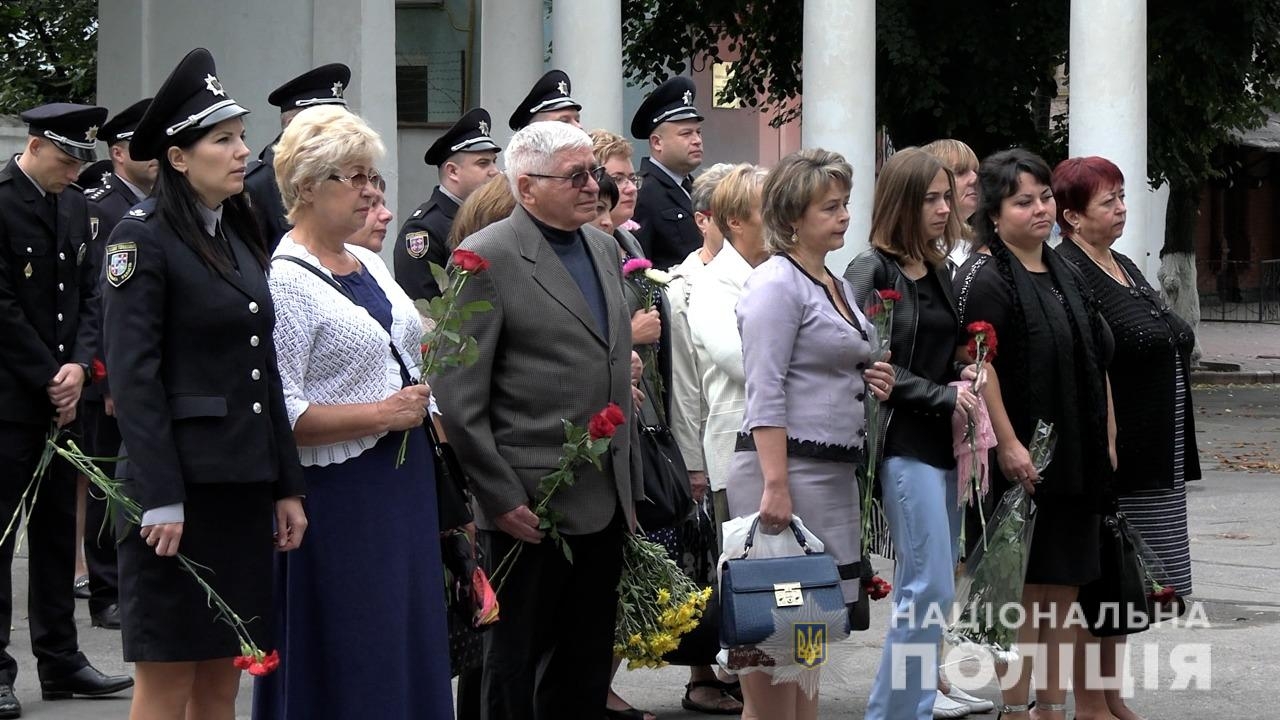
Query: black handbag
(668, 499)
(750, 590)
(453, 502)
(1116, 603)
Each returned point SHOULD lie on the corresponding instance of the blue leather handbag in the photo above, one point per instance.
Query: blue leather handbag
(750, 590)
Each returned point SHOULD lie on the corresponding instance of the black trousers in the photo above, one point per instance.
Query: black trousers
(51, 532)
(549, 656)
(101, 439)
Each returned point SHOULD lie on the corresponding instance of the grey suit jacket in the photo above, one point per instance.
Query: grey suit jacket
(542, 359)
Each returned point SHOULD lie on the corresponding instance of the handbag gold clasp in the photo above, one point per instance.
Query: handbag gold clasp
(787, 594)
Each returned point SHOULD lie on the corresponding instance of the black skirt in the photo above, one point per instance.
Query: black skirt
(165, 614)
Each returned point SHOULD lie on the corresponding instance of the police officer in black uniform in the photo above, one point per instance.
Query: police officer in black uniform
(48, 317)
(673, 127)
(548, 99)
(126, 185)
(209, 452)
(325, 85)
(466, 158)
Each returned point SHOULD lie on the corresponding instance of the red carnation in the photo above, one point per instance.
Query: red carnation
(877, 588)
(1163, 595)
(425, 348)
(469, 262)
(243, 662)
(605, 423)
(97, 371)
(890, 295)
(267, 666)
(987, 332)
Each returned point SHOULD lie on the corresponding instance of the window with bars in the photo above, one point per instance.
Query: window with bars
(431, 63)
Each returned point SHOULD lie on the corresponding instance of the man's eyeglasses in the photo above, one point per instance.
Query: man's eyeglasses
(578, 180)
(360, 180)
(634, 179)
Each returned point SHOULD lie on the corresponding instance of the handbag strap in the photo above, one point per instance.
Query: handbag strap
(795, 529)
(404, 369)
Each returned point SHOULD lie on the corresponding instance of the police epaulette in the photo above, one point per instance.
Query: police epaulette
(141, 211)
(97, 193)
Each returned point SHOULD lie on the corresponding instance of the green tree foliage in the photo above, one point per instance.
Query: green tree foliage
(982, 71)
(1213, 70)
(48, 52)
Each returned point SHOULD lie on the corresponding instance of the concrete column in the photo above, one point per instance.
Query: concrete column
(586, 42)
(510, 60)
(839, 61)
(1108, 107)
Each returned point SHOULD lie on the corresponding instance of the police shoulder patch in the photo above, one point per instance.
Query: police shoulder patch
(417, 213)
(416, 243)
(122, 260)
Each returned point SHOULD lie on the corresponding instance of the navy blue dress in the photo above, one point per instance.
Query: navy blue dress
(360, 606)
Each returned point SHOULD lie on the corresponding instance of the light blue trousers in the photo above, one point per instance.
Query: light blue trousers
(924, 522)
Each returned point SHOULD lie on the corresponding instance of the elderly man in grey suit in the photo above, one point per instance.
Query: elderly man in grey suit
(556, 345)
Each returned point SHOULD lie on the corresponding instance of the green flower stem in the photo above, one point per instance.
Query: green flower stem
(33, 487)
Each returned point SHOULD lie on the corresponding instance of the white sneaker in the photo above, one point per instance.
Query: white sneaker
(977, 705)
(945, 707)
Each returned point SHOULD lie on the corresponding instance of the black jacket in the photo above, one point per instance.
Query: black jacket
(260, 183)
(107, 205)
(665, 214)
(192, 361)
(48, 294)
(424, 239)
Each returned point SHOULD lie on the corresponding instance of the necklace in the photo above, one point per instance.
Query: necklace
(1111, 268)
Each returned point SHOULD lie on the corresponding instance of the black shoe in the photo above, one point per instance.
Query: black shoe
(81, 587)
(108, 617)
(9, 705)
(86, 681)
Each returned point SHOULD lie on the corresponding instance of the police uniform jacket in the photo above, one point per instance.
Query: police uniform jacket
(424, 239)
(107, 204)
(665, 214)
(260, 183)
(48, 294)
(192, 362)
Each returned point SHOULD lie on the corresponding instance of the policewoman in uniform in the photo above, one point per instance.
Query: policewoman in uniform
(209, 453)
(671, 124)
(48, 314)
(466, 158)
(325, 85)
(124, 186)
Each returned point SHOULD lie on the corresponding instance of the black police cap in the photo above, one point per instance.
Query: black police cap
(121, 127)
(191, 97)
(72, 128)
(94, 174)
(672, 101)
(551, 92)
(469, 134)
(324, 85)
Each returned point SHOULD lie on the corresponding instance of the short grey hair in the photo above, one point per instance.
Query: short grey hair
(706, 184)
(533, 149)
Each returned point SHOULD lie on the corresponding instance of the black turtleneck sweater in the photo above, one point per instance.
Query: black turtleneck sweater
(571, 247)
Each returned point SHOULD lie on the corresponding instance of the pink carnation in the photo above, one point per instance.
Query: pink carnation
(635, 265)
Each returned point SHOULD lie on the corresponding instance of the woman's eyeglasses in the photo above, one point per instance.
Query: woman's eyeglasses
(360, 180)
(619, 179)
(578, 180)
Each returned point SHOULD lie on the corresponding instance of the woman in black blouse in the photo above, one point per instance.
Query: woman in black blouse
(1155, 433)
(1051, 367)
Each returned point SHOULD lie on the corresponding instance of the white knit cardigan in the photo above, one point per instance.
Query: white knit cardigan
(330, 350)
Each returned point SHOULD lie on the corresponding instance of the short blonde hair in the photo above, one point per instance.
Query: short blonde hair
(955, 154)
(736, 195)
(490, 203)
(605, 145)
(797, 182)
(705, 185)
(320, 141)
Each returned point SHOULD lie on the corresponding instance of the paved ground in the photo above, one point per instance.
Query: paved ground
(1254, 347)
(1236, 554)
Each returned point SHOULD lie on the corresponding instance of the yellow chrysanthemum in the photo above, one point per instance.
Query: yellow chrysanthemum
(664, 596)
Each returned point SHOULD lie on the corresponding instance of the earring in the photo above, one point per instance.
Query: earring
(795, 239)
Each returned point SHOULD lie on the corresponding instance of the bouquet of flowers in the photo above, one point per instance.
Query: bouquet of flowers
(581, 445)
(644, 285)
(443, 344)
(975, 437)
(879, 311)
(657, 604)
(994, 574)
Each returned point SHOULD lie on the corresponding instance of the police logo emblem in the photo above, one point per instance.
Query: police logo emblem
(93, 228)
(416, 243)
(687, 97)
(122, 258)
(214, 87)
(484, 128)
(563, 87)
(91, 135)
(337, 89)
(83, 247)
(810, 644)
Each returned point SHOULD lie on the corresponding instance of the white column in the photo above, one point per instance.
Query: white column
(586, 42)
(839, 61)
(510, 61)
(1108, 107)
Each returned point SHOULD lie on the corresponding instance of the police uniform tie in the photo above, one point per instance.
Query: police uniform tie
(687, 184)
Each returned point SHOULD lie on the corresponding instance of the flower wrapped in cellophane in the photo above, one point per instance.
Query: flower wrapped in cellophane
(992, 579)
(657, 604)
